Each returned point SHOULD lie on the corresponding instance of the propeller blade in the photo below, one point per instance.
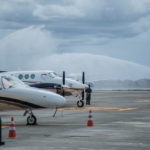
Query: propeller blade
(63, 79)
(83, 77)
(63, 82)
(83, 81)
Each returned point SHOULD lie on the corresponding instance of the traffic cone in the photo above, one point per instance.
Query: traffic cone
(12, 129)
(90, 120)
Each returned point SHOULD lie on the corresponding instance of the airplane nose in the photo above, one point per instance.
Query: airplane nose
(76, 84)
(58, 100)
(52, 99)
(86, 86)
(80, 85)
(61, 100)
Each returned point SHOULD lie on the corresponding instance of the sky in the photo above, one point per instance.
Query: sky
(34, 31)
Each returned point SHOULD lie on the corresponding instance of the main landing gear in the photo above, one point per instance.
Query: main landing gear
(31, 119)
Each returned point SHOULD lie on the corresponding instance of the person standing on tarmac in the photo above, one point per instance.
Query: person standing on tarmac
(88, 95)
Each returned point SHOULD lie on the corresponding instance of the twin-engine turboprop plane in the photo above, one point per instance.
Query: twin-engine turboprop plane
(15, 92)
(52, 81)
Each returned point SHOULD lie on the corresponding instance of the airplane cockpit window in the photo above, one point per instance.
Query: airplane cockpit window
(56, 74)
(9, 82)
(53, 74)
(0, 85)
(44, 76)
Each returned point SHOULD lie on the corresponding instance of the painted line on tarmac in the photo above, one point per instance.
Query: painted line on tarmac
(5, 127)
(101, 108)
(55, 124)
(144, 101)
(70, 124)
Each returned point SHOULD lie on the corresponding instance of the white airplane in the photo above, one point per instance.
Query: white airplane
(50, 80)
(15, 92)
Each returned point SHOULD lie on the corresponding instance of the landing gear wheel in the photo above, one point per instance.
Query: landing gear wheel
(80, 103)
(31, 120)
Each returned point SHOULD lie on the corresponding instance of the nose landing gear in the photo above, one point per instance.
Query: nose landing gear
(31, 119)
(80, 103)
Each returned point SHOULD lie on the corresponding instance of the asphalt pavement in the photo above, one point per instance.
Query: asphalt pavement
(121, 122)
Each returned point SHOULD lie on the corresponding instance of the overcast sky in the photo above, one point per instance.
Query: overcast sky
(38, 28)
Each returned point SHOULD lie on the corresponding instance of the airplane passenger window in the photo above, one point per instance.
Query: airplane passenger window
(32, 76)
(26, 76)
(20, 76)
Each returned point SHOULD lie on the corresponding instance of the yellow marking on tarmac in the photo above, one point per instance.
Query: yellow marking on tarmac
(5, 127)
(144, 101)
(100, 108)
(128, 109)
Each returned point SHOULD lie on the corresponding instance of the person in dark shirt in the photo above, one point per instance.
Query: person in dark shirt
(88, 95)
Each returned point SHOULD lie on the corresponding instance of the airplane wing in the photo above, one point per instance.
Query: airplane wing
(46, 85)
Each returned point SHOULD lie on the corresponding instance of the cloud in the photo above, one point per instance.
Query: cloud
(78, 18)
(16, 10)
(56, 11)
(106, 11)
(93, 18)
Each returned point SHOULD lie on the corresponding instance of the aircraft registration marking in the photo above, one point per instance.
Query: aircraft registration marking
(101, 108)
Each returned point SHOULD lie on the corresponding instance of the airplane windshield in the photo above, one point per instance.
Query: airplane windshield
(9, 82)
(53, 74)
(56, 74)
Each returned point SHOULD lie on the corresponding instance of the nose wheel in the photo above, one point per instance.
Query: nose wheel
(31, 119)
(80, 103)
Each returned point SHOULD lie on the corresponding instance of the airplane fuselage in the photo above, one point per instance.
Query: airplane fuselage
(48, 80)
(25, 96)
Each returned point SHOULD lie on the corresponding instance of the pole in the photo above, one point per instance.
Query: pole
(1, 143)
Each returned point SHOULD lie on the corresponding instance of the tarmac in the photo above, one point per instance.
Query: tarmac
(121, 122)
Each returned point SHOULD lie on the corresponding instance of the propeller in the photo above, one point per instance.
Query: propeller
(83, 81)
(63, 82)
(83, 77)
(2, 71)
(63, 78)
